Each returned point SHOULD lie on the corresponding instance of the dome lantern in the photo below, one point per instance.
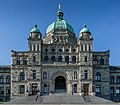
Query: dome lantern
(59, 13)
(35, 29)
(60, 23)
(85, 29)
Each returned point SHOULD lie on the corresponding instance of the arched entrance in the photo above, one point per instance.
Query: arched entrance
(60, 83)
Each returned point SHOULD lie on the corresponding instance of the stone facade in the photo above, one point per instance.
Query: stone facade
(61, 62)
(5, 83)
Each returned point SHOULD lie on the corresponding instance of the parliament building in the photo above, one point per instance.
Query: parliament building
(60, 62)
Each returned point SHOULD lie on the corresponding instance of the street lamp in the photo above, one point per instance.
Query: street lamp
(48, 88)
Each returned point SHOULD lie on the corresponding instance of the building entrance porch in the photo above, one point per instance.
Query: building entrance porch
(60, 83)
(86, 89)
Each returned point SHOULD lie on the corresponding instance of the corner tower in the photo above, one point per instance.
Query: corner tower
(85, 61)
(34, 40)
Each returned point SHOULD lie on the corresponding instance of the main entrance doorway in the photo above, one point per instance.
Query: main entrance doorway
(34, 89)
(60, 83)
(86, 89)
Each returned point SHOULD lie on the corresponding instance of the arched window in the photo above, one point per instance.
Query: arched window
(75, 74)
(73, 50)
(60, 59)
(34, 47)
(53, 50)
(30, 47)
(98, 76)
(118, 79)
(81, 47)
(101, 61)
(60, 50)
(67, 50)
(46, 59)
(89, 48)
(74, 59)
(18, 61)
(111, 79)
(67, 59)
(25, 61)
(53, 59)
(98, 89)
(95, 61)
(1, 79)
(22, 76)
(44, 75)
(8, 79)
(46, 50)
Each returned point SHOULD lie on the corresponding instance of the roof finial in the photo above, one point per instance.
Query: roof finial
(59, 6)
(84, 25)
(35, 26)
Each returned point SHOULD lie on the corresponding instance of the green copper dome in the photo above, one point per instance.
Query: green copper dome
(59, 23)
(35, 29)
(85, 29)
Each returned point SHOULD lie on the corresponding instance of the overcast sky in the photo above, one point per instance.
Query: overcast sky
(17, 18)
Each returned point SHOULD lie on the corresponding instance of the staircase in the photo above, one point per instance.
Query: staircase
(60, 98)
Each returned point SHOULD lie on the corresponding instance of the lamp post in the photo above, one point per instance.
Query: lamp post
(93, 89)
(48, 88)
(72, 88)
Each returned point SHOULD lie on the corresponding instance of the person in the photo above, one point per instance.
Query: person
(36, 98)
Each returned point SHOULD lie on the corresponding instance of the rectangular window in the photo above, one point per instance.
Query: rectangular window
(98, 89)
(111, 90)
(45, 88)
(75, 88)
(89, 48)
(34, 74)
(85, 47)
(34, 48)
(86, 74)
(117, 90)
(7, 90)
(22, 89)
(34, 58)
(1, 90)
(81, 47)
(85, 58)
(37, 47)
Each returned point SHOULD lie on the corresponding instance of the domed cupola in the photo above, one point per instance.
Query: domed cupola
(35, 29)
(35, 33)
(60, 23)
(59, 31)
(85, 33)
(85, 29)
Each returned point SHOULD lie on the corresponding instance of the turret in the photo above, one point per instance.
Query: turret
(85, 39)
(34, 40)
(85, 59)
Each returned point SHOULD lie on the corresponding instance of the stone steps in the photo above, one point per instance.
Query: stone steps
(60, 98)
